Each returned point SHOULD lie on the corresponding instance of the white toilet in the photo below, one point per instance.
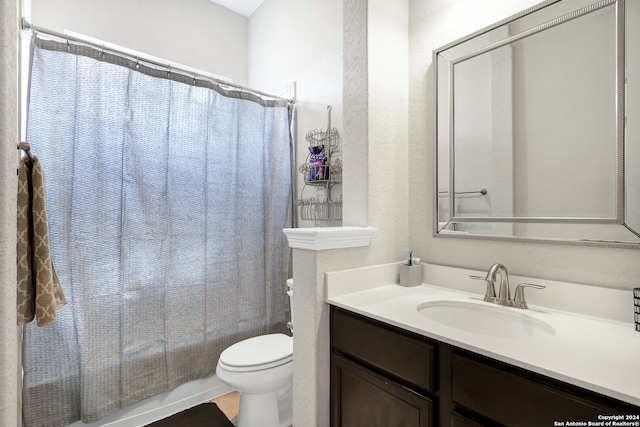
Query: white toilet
(261, 369)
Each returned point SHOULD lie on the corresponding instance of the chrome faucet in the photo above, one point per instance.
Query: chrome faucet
(504, 294)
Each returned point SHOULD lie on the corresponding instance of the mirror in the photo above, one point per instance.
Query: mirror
(536, 131)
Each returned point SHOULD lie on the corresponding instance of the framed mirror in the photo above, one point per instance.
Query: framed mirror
(537, 129)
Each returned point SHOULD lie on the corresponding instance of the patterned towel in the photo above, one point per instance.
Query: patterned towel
(39, 292)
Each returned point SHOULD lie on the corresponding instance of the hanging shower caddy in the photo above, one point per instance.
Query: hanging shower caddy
(321, 171)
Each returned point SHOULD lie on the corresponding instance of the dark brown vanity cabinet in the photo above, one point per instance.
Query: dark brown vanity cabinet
(383, 376)
(379, 376)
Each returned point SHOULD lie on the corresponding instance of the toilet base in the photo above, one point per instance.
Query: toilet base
(266, 409)
(258, 410)
(285, 405)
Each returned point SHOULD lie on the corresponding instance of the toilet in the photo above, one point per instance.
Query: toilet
(261, 369)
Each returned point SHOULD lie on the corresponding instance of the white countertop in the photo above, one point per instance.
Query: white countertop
(597, 353)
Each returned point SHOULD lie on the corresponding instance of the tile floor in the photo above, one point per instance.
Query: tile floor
(229, 404)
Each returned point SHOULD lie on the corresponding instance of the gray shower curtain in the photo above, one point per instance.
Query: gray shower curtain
(166, 205)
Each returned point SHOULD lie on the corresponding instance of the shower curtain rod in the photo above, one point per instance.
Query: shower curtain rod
(146, 59)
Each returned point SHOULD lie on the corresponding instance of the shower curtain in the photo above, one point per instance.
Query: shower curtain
(167, 198)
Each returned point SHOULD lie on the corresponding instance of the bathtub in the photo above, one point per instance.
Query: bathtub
(164, 404)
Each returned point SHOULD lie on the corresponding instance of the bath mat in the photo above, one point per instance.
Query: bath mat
(204, 415)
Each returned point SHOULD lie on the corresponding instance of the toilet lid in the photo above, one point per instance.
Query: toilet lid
(272, 350)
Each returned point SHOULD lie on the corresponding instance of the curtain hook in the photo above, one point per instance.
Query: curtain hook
(137, 63)
(168, 71)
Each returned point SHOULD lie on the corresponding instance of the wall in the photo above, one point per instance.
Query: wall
(434, 23)
(390, 184)
(9, 401)
(196, 33)
(300, 42)
(361, 71)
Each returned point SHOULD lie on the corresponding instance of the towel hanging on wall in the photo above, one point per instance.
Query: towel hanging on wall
(39, 291)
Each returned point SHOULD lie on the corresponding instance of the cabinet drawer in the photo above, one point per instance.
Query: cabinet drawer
(515, 400)
(362, 398)
(395, 352)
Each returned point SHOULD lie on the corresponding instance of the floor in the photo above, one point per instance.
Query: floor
(229, 404)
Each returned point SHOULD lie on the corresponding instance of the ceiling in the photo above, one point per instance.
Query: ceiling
(243, 7)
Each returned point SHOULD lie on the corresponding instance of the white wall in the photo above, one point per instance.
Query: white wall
(434, 23)
(9, 400)
(196, 33)
(301, 42)
(390, 184)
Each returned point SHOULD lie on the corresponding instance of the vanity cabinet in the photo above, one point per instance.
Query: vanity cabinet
(382, 375)
(379, 377)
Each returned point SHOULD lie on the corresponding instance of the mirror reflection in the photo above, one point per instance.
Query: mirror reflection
(531, 131)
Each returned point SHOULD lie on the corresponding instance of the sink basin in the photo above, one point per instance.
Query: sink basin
(486, 319)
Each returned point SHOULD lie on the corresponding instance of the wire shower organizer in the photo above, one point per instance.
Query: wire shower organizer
(322, 170)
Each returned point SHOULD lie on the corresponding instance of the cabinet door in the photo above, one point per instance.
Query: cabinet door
(362, 398)
(459, 420)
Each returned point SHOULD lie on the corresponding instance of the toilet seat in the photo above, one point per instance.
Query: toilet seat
(257, 353)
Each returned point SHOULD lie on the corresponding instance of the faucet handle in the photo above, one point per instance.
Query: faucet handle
(490, 293)
(519, 300)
